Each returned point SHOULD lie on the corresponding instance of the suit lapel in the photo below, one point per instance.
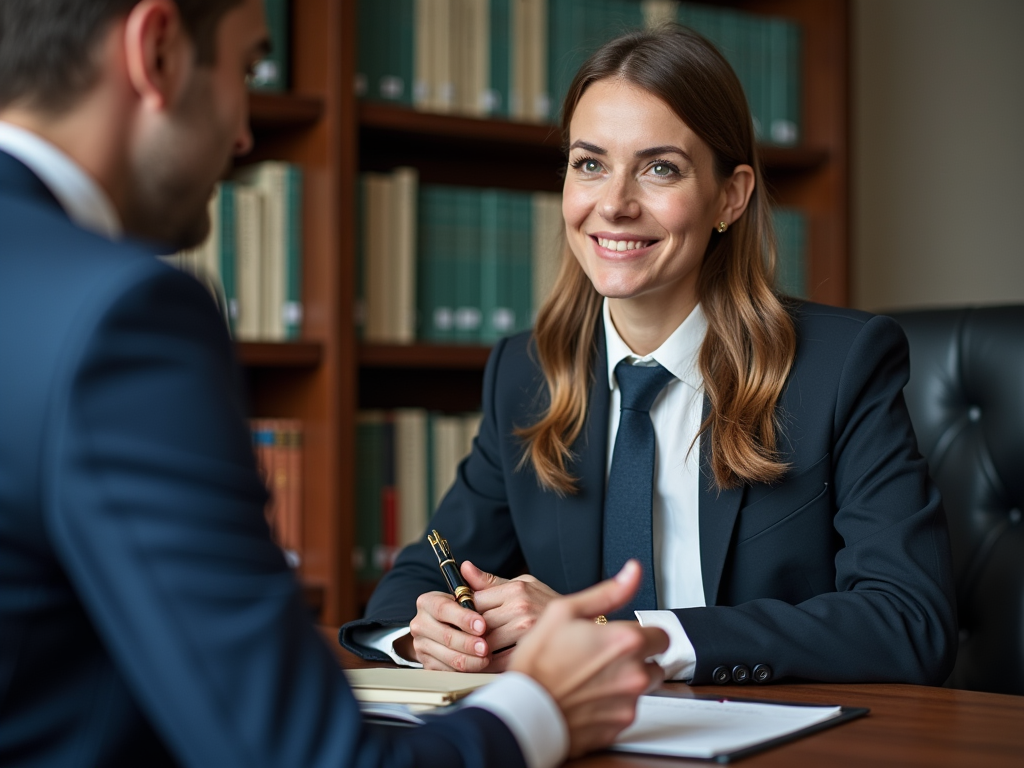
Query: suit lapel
(717, 510)
(580, 516)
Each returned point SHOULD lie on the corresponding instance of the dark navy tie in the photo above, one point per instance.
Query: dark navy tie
(628, 498)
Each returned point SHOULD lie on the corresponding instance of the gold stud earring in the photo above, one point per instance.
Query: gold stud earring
(722, 226)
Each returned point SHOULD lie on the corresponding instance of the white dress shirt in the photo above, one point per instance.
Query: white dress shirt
(676, 415)
(517, 700)
(79, 195)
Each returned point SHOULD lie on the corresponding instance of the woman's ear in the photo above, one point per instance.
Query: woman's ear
(736, 192)
(158, 52)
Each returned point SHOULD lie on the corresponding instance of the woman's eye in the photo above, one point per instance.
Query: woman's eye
(590, 166)
(662, 169)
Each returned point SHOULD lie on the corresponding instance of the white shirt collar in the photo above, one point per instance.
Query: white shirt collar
(678, 354)
(79, 195)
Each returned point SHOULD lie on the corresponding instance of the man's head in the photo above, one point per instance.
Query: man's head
(148, 96)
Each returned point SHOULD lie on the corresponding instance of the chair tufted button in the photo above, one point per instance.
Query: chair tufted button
(762, 673)
(1014, 516)
(974, 413)
(740, 674)
(720, 675)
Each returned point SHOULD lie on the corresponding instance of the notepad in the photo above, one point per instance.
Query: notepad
(720, 729)
(414, 686)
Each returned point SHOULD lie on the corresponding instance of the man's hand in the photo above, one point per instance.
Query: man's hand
(595, 673)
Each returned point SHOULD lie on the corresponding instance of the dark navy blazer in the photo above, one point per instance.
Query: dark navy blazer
(839, 572)
(146, 618)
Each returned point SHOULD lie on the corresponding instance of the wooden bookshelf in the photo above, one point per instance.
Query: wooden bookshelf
(328, 375)
(265, 354)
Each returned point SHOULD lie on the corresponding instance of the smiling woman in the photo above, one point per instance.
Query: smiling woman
(752, 451)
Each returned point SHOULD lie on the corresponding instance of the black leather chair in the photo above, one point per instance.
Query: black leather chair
(966, 399)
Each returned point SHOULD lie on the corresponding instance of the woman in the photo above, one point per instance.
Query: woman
(788, 523)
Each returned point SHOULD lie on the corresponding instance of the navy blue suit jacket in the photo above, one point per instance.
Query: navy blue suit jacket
(145, 616)
(839, 572)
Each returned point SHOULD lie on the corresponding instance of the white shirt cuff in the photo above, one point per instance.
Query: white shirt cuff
(680, 660)
(525, 706)
(383, 639)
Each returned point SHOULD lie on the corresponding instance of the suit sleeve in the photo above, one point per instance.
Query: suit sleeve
(473, 516)
(155, 509)
(891, 617)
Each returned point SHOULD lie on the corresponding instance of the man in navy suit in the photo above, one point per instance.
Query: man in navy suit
(145, 616)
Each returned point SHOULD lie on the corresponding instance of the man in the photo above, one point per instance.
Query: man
(146, 617)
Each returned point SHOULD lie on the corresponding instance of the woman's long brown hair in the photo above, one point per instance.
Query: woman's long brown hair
(750, 343)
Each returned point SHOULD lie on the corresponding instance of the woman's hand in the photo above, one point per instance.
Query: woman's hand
(510, 608)
(444, 635)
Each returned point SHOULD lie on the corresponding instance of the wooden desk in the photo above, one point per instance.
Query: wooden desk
(909, 725)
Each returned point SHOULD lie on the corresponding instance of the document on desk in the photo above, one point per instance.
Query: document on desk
(720, 729)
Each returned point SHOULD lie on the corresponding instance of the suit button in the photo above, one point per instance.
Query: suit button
(762, 673)
(740, 674)
(720, 675)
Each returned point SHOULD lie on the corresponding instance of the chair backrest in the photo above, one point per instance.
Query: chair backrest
(966, 399)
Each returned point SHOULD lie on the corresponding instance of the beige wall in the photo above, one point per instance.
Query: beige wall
(938, 152)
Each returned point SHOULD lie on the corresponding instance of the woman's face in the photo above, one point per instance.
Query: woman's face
(640, 199)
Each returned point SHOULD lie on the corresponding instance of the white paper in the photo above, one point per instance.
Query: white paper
(702, 728)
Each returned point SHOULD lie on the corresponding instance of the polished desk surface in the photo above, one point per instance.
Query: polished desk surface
(908, 725)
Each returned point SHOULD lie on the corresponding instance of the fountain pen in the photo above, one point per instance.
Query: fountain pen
(456, 585)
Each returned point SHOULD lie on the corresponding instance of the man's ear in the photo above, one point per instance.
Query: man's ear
(737, 190)
(158, 52)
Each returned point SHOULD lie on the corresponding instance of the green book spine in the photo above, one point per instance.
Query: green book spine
(776, 80)
(369, 483)
(490, 277)
(791, 238)
(226, 250)
(466, 254)
(401, 47)
(500, 56)
(292, 311)
(426, 215)
(521, 248)
(438, 220)
(271, 73)
(793, 98)
(365, 76)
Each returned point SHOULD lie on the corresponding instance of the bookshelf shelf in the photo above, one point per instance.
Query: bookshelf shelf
(424, 356)
(385, 118)
(267, 354)
(274, 111)
(389, 131)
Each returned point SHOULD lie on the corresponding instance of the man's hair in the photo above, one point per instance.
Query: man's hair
(48, 48)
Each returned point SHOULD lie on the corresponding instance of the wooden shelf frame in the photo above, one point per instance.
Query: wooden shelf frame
(328, 375)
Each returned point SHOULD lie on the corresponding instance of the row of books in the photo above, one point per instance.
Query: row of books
(515, 59)
(406, 460)
(453, 264)
(252, 260)
(277, 444)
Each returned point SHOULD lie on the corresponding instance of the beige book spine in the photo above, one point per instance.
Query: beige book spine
(548, 245)
(248, 261)
(405, 183)
(378, 254)
(411, 474)
(424, 79)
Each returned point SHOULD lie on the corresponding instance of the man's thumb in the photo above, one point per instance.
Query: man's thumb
(608, 595)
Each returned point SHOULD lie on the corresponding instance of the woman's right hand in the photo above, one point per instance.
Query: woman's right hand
(444, 635)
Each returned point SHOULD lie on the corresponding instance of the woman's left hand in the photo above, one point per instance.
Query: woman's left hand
(509, 606)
